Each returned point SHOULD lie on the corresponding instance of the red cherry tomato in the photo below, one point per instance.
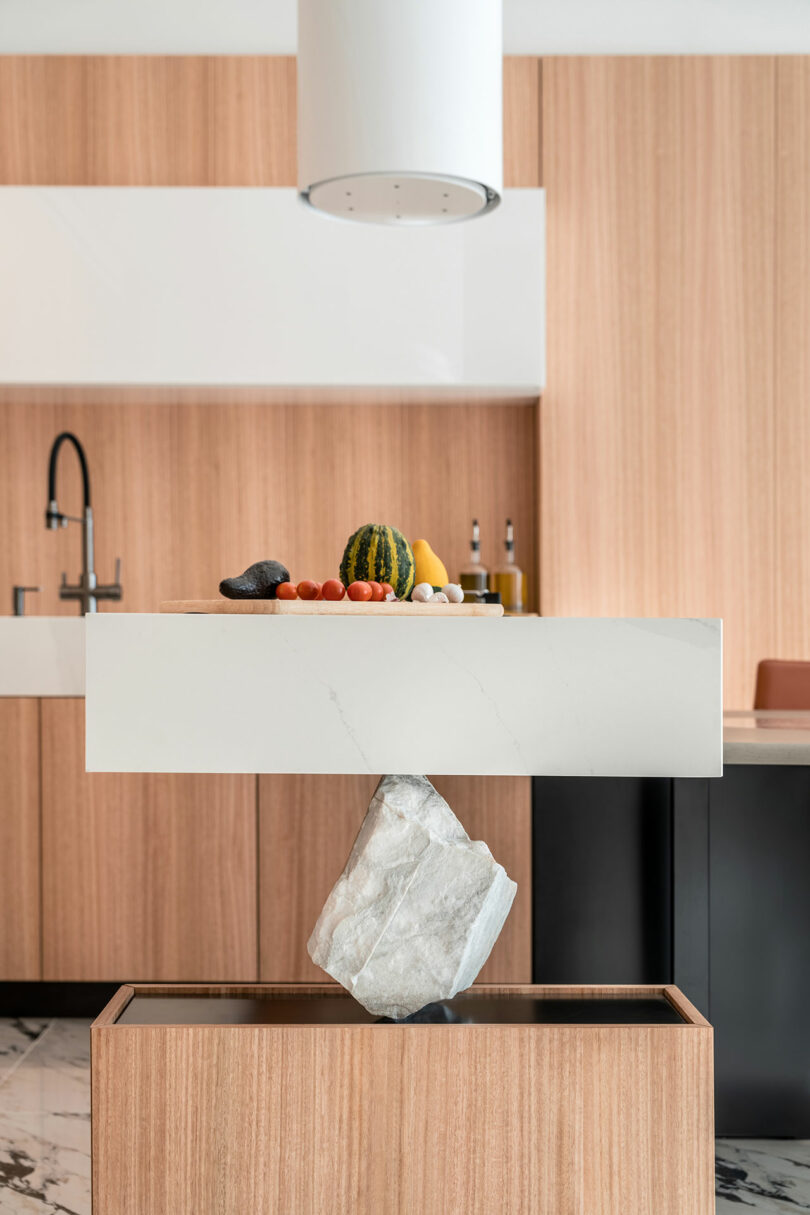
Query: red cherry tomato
(360, 592)
(333, 589)
(387, 589)
(377, 592)
(286, 590)
(308, 589)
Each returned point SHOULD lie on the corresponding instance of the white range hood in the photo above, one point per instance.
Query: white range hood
(400, 113)
(240, 693)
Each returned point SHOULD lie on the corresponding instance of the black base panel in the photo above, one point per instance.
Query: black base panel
(342, 1010)
(55, 999)
(759, 949)
(601, 880)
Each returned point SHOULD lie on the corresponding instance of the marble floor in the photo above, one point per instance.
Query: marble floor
(45, 1134)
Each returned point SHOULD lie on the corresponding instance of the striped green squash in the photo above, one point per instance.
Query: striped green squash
(379, 553)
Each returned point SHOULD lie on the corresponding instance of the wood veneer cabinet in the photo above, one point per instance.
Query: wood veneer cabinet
(19, 840)
(151, 876)
(317, 1115)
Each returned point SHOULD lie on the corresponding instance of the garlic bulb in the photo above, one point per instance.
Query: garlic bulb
(422, 592)
(439, 597)
(453, 592)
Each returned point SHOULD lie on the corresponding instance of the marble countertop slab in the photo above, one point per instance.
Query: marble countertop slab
(544, 696)
(759, 737)
(42, 655)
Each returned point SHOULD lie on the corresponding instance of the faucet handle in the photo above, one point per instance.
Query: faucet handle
(64, 579)
(118, 570)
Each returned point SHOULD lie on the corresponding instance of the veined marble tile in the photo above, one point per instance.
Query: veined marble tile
(17, 1035)
(45, 1126)
(764, 1175)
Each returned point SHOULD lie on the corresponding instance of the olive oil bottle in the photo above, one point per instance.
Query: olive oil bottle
(473, 576)
(507, 578)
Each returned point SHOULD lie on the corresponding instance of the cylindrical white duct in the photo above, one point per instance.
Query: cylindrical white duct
(400, 108)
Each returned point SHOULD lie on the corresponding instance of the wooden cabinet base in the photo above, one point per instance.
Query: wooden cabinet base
(235, 1101)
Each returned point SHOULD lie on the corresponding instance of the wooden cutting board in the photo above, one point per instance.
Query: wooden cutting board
(322, 607)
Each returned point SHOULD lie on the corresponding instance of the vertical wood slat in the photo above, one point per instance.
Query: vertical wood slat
(143, 876)
(657, 484)
(307, 825)
(187, 120)
(522, 121)
(792, 373)
(147, 120)
(19, 840)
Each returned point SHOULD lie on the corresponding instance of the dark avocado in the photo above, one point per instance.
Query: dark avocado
(259, 581)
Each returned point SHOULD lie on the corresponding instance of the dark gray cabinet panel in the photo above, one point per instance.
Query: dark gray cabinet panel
(601, 880)
(759, 949)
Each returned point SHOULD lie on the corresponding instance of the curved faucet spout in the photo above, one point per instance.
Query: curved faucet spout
(87, 590)
(53, 516)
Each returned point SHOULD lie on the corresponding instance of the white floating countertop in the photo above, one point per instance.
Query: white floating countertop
(766, 737)
(540, 696)
(42, 655)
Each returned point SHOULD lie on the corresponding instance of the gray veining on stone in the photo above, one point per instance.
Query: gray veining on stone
(541, 696)
(17, 1037)
(763, 1175)
(45, 1124)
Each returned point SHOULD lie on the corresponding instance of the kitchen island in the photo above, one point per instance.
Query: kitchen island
(640, 879)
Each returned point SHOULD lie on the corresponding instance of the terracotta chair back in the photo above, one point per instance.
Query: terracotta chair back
(782, 685)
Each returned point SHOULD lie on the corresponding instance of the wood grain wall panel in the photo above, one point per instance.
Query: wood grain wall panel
(657, 420)
(147, 120)
(19, 840)
(183, 120)
(522, 121)
(498, 810)
(792, 384)
(143, 876)
(187, 494)
(43, 118)
(307, 825)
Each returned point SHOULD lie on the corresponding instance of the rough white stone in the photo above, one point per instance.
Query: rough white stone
(415, 913)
